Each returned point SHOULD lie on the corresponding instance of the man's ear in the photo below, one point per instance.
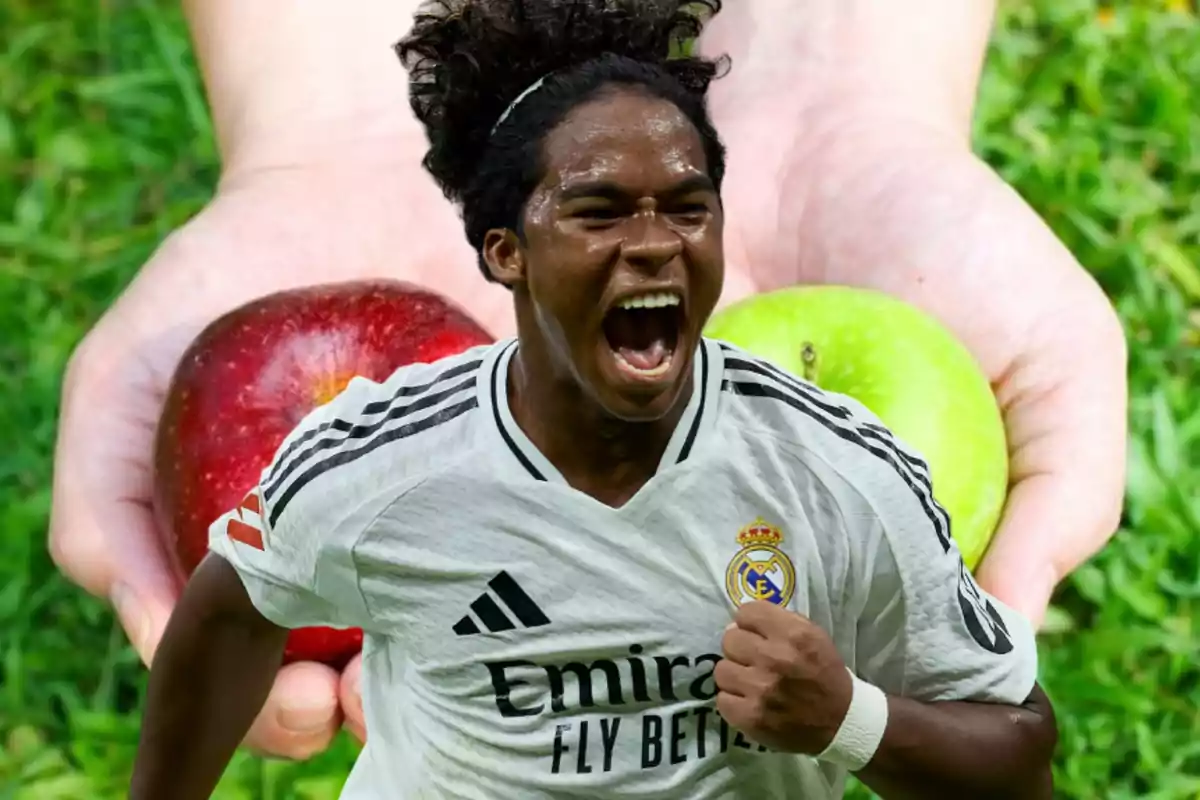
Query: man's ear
(504, 257)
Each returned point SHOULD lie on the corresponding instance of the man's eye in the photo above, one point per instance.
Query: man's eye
(691, 209)
(598, 213)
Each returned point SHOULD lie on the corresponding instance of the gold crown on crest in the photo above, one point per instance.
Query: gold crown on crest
(759, 533)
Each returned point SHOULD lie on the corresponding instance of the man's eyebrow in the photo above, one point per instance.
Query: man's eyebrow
(692, 183)
(603, 189)
(611, 191)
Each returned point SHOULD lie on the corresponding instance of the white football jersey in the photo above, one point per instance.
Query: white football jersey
(523, 640)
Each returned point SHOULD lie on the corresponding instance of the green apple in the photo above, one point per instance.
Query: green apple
(908, 370)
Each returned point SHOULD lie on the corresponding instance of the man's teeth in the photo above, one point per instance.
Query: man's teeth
(656, 300)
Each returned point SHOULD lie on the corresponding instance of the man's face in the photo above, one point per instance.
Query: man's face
(623, 258)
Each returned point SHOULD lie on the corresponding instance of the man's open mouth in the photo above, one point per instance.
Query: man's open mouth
(644, 331)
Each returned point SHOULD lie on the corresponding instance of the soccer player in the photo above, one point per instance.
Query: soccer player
(607, 557)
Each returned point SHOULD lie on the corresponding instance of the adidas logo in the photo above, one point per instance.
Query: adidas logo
(492, 615)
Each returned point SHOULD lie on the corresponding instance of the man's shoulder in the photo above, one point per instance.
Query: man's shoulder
(419, 378)
(375, 437)
(797, 412)
(830, 434)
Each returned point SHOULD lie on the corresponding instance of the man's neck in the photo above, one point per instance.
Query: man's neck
(605, 457)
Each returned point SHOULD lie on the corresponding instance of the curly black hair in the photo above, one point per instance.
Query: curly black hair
(468, 60)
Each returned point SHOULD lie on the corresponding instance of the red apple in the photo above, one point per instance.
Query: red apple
(253, 374)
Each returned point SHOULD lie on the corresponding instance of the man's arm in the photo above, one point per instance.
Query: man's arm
(960, 749)
(287, 80)
(966, 717)
(920, 57)
(814, 80)
(225, 640)
(211, 675)
(311, 111)
(784, 684)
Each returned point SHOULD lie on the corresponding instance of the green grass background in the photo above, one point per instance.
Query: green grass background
(105, 146)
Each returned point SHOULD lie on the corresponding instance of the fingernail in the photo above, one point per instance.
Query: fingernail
(303, 717)
(133, 616)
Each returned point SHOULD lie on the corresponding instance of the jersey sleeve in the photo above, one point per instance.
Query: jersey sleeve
(291, 540)
(928, 630)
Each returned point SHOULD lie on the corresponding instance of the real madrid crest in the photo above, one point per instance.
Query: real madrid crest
(760, 570)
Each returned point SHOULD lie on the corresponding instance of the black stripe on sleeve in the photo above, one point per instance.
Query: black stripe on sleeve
(375, 407)
(442, 416)
(934, 513)
(428, 400)
(818, 398)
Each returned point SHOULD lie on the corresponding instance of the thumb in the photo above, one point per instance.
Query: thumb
(145, 587)
(143, 609)
(103, 537)
(1045, 532)
(350, 696)
(102, 533)
(1025, 586)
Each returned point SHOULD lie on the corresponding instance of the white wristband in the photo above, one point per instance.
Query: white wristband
(862, 730)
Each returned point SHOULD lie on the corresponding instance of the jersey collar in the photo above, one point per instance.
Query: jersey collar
(690, 433)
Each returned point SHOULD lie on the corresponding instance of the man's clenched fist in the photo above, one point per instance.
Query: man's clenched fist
(782, 682)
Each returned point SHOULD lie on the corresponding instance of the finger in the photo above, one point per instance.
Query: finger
(100, 520)
(1043, 535)
(1065, 418)
(102, 532)
(1019, 567)
(143, 601)
(741, 646)
(1056, 517)
(768, 620)
(739, 712)
(737, 679)
(301, 715)
(350, 696)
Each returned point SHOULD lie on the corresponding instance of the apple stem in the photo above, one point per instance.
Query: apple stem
(808, 356)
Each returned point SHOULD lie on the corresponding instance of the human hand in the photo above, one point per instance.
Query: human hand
(877, 200)
(264, 231)
(321, 181)
(848, 132)
(932, 224)
(782, 682)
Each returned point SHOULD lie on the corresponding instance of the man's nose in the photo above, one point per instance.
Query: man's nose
(651, 244)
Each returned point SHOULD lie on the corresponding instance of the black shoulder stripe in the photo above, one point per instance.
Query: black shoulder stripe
(773, 372)
(425, 401)
(884, 451)
(465, 368)
(888, 440)
(442, 416)
(377, 407)
(813, 395)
